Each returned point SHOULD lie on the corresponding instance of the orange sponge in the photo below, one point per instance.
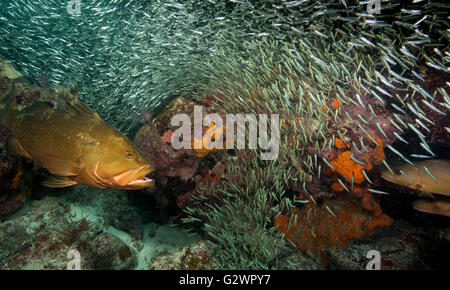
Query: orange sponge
(346, 167)
(339, 144)
(317, 229)
(212, 132)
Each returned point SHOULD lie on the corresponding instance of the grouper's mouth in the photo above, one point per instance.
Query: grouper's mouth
(135, 178)
(142, 181)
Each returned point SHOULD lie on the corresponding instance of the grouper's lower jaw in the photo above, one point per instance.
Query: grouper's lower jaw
(140, 182)
(135, 179)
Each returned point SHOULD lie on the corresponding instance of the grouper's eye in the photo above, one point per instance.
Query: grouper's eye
(129, 155)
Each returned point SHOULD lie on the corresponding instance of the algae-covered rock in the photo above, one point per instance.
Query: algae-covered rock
(8, 71)
(42, 234)
(401, 247)
(299, 261)
(195, 256)
(111, 253)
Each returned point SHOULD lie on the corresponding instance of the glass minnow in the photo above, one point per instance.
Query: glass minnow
(377, 191)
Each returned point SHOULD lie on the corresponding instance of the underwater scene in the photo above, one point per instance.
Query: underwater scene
(224, 135)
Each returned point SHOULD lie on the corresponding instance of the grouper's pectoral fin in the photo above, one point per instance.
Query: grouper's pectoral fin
(15, 148)
(58, 181)
(61, 167)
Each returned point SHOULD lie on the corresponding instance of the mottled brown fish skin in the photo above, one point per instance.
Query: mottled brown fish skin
(438, 207)
(77, 145)
(420, 179)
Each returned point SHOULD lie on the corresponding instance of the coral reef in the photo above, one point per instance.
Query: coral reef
(42, 236)
(53, 223)
(27, 93)
(13, 188)
(154, 139)
(177, 171)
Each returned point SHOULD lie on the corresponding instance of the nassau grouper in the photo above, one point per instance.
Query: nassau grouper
(76, 146)
(436, 180)
(431, 178)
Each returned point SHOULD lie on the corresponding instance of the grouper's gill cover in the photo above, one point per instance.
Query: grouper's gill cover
(76, 146)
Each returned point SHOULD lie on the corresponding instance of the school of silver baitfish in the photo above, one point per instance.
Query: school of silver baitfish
(126, 57)
(129, 56)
